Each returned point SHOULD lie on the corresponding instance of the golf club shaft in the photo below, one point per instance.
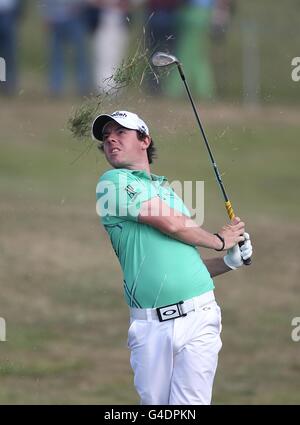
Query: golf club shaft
(228, 204)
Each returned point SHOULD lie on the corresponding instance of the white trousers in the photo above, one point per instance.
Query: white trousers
(110, 47)
(174, 362)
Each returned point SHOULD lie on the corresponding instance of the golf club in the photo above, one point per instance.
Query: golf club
(161, 59)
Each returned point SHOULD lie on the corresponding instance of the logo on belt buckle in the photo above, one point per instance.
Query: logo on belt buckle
(169, 312)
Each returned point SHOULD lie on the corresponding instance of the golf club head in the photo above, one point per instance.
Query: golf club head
(163, 59)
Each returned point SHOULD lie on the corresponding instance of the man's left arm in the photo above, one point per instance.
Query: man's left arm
(216, 266)
(232, 261)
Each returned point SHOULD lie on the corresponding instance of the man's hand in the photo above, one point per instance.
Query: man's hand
(233, 233)
(236, 255)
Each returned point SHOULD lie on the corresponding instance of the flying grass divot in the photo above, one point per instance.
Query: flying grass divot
(130, 74)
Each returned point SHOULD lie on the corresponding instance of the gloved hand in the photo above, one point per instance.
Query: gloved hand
(236, 255)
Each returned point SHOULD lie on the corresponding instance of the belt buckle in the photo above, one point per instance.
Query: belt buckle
(170, 312)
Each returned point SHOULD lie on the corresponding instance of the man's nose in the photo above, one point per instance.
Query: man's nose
(111, 138)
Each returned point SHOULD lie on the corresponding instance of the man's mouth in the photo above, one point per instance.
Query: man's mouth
(114, 150)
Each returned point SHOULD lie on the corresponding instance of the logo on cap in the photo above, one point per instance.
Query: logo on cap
(142, 129)
(119, 114)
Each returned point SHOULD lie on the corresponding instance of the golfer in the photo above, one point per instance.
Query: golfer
(175, 322)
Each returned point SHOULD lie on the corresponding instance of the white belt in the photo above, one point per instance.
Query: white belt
(173, 311)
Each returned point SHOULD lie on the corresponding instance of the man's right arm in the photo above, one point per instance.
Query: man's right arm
(159, 215)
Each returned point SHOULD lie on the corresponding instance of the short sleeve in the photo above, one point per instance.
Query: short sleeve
(119, 196)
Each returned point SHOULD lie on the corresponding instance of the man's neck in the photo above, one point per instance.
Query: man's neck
(140, 167)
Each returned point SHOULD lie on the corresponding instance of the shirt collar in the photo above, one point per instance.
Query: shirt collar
(151, 177)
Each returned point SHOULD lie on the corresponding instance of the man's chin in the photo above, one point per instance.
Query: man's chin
(117, 164)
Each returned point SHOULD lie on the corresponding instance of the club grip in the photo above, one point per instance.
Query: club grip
(229, 210)
(231, 215)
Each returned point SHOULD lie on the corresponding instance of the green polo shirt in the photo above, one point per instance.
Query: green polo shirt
(157, 269)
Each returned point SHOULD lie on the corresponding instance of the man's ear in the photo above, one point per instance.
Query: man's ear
(146, 142)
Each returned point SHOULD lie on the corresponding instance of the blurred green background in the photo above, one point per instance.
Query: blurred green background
(273, 28)
(61, 292)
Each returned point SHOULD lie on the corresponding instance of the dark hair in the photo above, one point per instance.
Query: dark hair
(151, 150)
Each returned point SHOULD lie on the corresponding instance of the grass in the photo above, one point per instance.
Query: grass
(61, 290)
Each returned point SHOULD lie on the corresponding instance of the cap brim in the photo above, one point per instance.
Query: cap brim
(98, 125)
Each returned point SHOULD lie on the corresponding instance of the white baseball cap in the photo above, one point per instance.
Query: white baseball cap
(124, 118)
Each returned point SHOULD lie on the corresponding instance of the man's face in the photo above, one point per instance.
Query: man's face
(122, 148)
